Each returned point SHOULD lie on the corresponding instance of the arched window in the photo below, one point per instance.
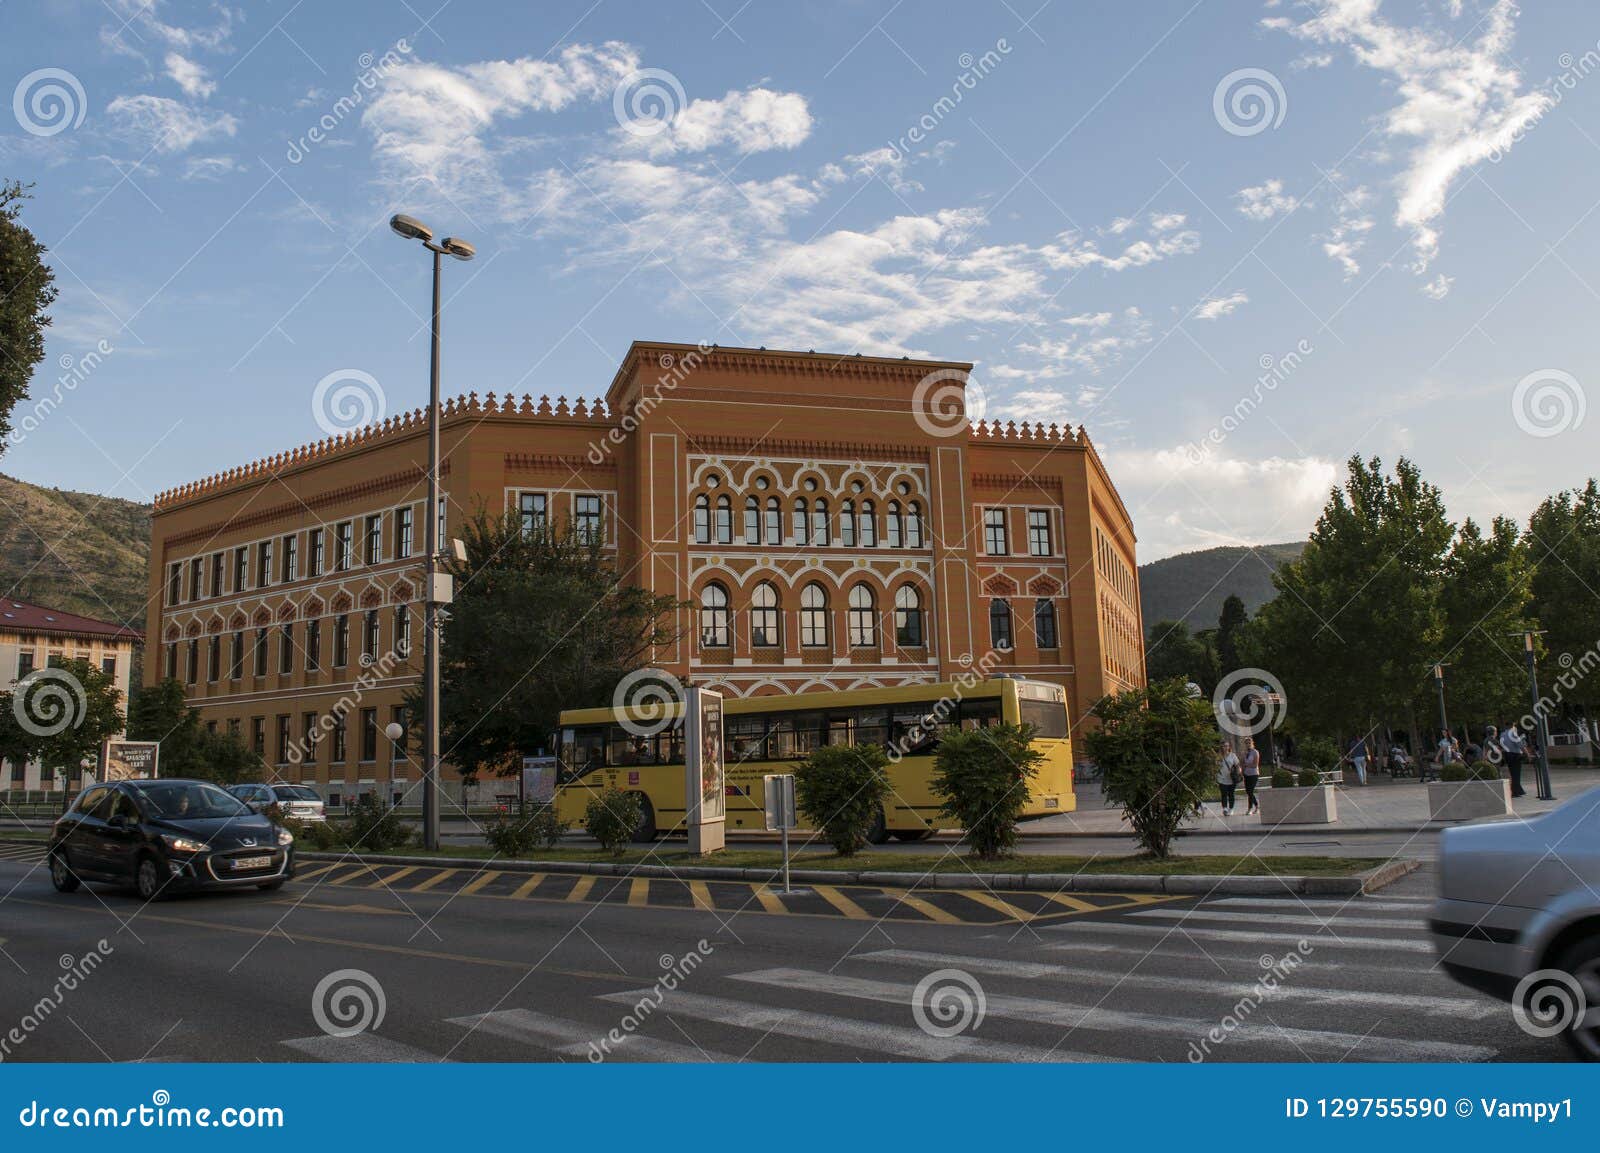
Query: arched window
(774, 521)
(1044, 623)
(714, 617)
(764, 617)
(893, 524)
(814, 617)
(908, 631)
(819, 522)
(702, 519)
(752, 520)
(847, 523)
(913, 525)
(1000, 624)
(863, 617)
(802, 522)
(867, 525)
(724, 520)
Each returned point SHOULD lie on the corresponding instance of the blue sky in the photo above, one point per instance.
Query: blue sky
(1237, 241)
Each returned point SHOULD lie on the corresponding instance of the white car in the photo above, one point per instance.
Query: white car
(296, 801)
(1518, 916)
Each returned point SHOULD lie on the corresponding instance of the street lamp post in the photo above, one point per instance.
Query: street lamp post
(433, 586)
(1546, 792)
(1438, 680)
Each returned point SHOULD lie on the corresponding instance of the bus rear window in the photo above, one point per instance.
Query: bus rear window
(1048, 717)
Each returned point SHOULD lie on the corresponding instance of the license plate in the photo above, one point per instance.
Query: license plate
(251, 862)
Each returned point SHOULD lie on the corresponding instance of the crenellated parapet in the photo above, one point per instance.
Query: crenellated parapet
(987, 431)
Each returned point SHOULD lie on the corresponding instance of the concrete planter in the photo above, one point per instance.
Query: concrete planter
(1318, 805)
(1468, 800)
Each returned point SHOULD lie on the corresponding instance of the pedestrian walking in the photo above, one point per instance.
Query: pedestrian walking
(1228, 777)
(1250, 770)
(1358, 758)
(1513, 748)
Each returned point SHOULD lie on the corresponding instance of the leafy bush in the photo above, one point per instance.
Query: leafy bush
(512, 835)
(839, 790)
(981, 776)
(611, 817)
(1157, 750)
(1484, 771)
(1455, 771)
(1283, 779)
(1308, 778)
(1317, 753)
(373, 826)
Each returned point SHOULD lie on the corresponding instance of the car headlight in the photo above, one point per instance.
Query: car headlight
(185, 845)
(285, 838)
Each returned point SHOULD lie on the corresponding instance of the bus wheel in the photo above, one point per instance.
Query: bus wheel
(912, 834)
(645, 830)
(877, 832)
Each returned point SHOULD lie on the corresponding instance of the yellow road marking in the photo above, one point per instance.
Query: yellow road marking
(385, 882)
(317, 872)
(434, 880)
(841, 902)
(581, 889)
(701, 895)
(769, 899)
(1076, 903)
(479, 882)
(344, 908)
(528, 886)
(639, 892)
(926, 908)
(996, 903)
(352, 875)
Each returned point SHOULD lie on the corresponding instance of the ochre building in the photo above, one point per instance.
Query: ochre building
(832, 521)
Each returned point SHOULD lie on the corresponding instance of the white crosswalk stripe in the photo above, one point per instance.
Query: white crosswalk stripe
(1411, 906)
(1098, 1018)
(364, 1047)
(1237, 937)
(571, 1039)
(1272, 920)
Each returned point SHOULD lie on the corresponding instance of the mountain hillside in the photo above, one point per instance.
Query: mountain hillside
(74, 551)
(1191, 586)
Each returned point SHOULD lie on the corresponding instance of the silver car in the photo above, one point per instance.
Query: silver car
(1518, 916)
(296, 801)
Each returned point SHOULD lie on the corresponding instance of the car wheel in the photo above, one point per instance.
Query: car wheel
(645, 830)
(1582, 961)
(61, 874)
(878, 831)
(147, 879)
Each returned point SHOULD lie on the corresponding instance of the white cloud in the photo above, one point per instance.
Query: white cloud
(1264, 201)
(889, 165)
(189, 76)
(1460, 101)
(167, 126)
(1439, 287)
(1214, 307)
(139, 22)
(1343, 242)
(209, 167)
(756, 120)
(1166, 221)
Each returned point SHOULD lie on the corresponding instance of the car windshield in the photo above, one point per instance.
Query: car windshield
(188, 800)
(295, 793)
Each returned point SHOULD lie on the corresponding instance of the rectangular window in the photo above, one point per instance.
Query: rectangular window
(241, 568)
(343, 540)
(261, 652)
(994, 531)
(369, 637)
(263, 564)
(373, 549)
(174, 583)
(286, 648)
(214, 658)
(258, 735)
(313, 644)
(308, 737)
(586, 516)
(283, 738)
(217, 561)
(402, 532)
(25, 662)
(369, 734)
(534, 509)
(336, 754)
(1039, 532)
(192, 665)
(236, 669)
(172, 663)
(291, 557)
(197, 579)
(402, 630)
(108, 665)
(341, 641)
(318, 551)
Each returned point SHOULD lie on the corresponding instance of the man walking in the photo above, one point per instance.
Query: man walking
(1358, 758)
(1514, 749)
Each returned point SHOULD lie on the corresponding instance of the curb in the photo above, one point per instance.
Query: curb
(1191, 884)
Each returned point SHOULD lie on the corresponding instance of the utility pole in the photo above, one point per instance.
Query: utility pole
(1546, 792)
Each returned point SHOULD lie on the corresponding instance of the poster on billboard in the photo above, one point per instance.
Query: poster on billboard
(129, 760)
(705, 780)
(538, 780)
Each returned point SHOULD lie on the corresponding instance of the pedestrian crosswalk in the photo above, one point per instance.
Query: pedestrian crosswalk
(1208, 981)
(26, 852)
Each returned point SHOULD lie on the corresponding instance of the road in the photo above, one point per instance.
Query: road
(474, 966)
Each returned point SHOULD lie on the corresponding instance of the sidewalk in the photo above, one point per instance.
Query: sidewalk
(1384, 805)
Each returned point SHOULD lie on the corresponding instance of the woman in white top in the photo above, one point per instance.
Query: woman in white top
(1228, 776)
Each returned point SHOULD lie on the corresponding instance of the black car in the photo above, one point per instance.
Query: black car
(162, 836)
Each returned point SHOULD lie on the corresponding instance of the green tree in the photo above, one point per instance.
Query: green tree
(542, 621)
(1172, 651)
(1563, 541)
(1157, 752)
(27, 289)
(1230, 624)
(60, 715)
(158, 713)
(840, 790)
(1488, 586)
(981, 777)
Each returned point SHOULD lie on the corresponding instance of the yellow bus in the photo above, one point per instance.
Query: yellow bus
(641, 750)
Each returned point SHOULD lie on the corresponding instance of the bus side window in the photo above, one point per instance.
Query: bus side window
(808, 733)
(747, 738)
(872, 726)
(980, 714)
(582, 751)
(839, 726)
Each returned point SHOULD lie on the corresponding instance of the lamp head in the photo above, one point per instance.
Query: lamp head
(411, 228)
(458, 248)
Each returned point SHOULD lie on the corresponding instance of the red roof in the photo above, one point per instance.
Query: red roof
(19, 616)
